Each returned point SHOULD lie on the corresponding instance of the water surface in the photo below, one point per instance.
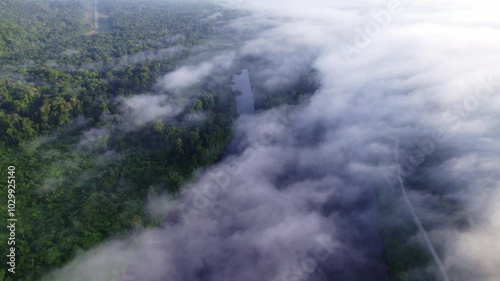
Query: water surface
(245, 103)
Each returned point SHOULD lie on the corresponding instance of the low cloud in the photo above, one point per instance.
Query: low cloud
(142, 109)
(69, 52)
(316, 172)
(188, 76)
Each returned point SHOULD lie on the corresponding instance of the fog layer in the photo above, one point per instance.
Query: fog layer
(415, 79)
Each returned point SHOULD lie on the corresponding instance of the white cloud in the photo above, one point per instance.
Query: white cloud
(257, 214)
(188, 76)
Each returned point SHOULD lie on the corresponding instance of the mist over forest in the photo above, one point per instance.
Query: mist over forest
(217, 140)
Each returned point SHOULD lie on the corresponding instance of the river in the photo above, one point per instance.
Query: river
(245, 103)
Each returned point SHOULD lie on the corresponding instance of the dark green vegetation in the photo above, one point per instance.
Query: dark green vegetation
(292, 94)
(29, 23)
(82, 173)
(408, 257)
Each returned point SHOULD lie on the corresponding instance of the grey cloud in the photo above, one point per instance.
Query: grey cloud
(257, 215)
(188, 76)
(69, 52)
(93, 137)
(139, 110)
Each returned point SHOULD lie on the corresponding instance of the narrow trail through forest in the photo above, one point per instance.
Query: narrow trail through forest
(417, 220)
(96, 20)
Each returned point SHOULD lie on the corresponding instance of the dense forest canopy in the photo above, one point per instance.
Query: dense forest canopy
(64, 90)
(75, 76)
(86, 164)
